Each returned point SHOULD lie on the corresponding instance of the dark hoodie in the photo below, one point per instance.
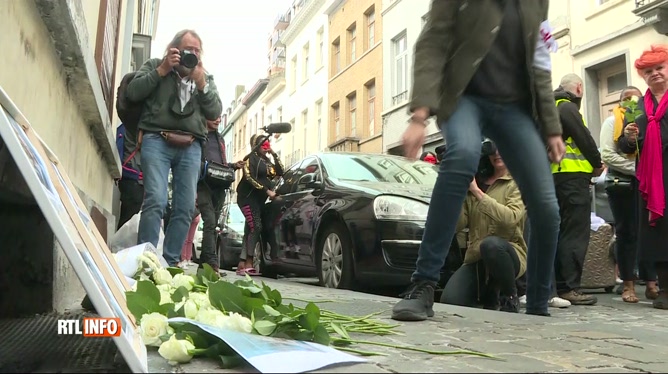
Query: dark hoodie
(573, 127)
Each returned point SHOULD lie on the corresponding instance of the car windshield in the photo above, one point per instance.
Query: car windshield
(235, 215)
(379, 168)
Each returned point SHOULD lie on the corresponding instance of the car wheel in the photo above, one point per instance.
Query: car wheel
(334, 259)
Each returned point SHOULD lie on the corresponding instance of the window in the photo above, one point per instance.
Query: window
(336, 56)
(279, 113)
(269, 119)
(379, 168)
(308, 166)
(352, 41)
(321, 48)
(371, 102)
(371, 27)
(318, 116)
(336, 112)
(352, 108)
(305, 53)
(400, 70)
(617, 82)
(305, 124)
(293, 78)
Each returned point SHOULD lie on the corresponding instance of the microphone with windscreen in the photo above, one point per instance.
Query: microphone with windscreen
(278, 128)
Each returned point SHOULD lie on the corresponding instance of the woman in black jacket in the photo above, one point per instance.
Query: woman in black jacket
(252, 192)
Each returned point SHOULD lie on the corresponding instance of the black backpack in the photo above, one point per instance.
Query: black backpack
(128, 111)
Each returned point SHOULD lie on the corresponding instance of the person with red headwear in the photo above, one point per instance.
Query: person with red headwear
(429, 157)
(649, 135)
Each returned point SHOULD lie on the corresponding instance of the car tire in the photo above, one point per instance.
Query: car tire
(221, 256)
(334, 243)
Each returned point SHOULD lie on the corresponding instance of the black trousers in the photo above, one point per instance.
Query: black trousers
(210, 203)
(478, 284)
(624, 210)
(132, 196)
(252, 210)
(574, 199)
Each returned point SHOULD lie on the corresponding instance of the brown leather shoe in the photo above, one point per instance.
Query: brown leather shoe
(651, 293)
(578, 298)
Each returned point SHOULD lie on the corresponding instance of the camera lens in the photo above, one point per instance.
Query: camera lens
(189, 59)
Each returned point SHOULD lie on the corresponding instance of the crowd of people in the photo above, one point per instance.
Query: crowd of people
(514, 180)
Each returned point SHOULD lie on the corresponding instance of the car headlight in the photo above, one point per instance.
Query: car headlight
(399, 208)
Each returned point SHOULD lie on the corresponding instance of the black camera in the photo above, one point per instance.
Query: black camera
(488, 148)
(189, 59)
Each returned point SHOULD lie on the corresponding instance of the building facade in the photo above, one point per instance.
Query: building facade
(306, 81)
(63, 61)
(403, 21)
(273, 100)
(355, 75)
(600, 40)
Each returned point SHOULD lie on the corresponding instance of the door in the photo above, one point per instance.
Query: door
(611, 83)
(306, 209)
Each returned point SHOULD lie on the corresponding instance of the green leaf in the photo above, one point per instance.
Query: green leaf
(340, 330)
(253, 303)
(198, 340)
(271, 311)
(228, 298)
(321, 336)
(311, 319)
(264, 327)
(341, 342)
(173, 271)
(230, 362)
(145, 300)
(179, 294)
(176, 313)
(276, 297)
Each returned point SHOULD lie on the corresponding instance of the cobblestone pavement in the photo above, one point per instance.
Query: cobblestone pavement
(610, 337)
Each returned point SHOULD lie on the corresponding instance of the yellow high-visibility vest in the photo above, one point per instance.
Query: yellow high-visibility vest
(574, 161)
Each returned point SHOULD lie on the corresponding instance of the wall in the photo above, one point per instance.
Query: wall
(354, 76)
(309, 90)
(400, 16)
(274, 98)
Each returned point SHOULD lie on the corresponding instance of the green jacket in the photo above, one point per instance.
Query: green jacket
(453, 43)
(162, 107)
(500, 213)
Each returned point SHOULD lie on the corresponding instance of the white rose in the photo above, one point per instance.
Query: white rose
(151, 256)
(162, 276)
(166, 298)
(164, 287)
(190, 309)
(152, 327)
(182, 280)
(175, 351)
(237, 322)
(201, 299)
(211, 317)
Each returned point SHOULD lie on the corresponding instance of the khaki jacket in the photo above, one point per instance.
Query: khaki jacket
(500, 213)
(454, 42)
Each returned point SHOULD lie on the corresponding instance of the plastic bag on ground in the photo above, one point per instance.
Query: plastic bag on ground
(126, 236)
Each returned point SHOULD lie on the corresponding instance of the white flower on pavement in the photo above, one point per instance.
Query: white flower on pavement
(190, 309)
(152, 326)
(176, 351)
(201, 299)
(166, 298)
(182, 280)
(239, 323)
(162, 276)
(212, 317)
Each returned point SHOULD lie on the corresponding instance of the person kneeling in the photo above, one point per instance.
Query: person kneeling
(494, 213)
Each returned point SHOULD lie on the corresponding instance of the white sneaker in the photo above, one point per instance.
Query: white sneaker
(523, 300)
(557, 302)
(183, 265)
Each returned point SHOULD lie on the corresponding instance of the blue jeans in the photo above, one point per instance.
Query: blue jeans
(157, 158)
(518, 140)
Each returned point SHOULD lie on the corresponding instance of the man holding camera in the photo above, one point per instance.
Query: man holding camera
(178, 97)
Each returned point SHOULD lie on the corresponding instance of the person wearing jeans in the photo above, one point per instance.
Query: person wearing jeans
(177, 101)
(494, 81)
(187, 250)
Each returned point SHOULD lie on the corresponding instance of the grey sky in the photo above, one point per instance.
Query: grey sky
(234, 34)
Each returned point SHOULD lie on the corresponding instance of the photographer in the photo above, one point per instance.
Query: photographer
(211, 192)
(494, 213)
(178, 97)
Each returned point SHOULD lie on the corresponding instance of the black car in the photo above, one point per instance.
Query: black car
(352, 219)
(230, 234)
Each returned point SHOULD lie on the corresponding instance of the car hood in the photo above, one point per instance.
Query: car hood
(413, 191)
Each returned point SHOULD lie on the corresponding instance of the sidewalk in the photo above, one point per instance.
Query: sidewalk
(611, 337)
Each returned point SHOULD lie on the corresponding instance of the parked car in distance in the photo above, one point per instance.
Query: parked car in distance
(197, 239)
(352, 219)
(230, 235)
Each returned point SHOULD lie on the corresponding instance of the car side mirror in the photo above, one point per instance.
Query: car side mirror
(310, 180)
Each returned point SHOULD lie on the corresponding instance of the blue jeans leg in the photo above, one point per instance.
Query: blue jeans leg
(522, 149)
(462, 133)
(185, 173)
(155, 162)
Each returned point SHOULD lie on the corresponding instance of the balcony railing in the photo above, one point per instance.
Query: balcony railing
(399, 98)
(282, 22)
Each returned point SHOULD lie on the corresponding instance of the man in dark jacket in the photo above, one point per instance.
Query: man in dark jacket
(483, 68)
(210, 195)
(131, 185)
(177, 102)
(572, 178)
